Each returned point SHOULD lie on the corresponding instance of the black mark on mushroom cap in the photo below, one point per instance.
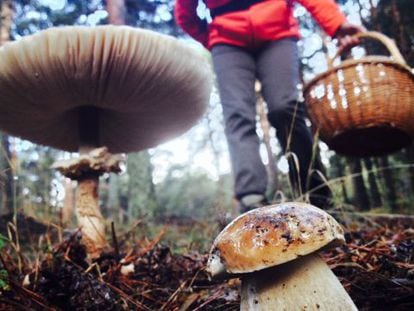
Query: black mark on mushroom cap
(288, 236)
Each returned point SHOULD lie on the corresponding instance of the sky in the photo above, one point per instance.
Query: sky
(53, 4)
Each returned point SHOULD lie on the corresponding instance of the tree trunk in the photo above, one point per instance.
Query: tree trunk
(141, 190)
(6, 169)
(113, 206)
(409, 157)
(116, 12)
(68, 210)
(389, 183)
(6, 177)
(402, 43)
(338, 171)
(221, 209)
(392, 18)
(2, 178)
(265, 126)
(373, 185)
(215, 150)
(360, 192)
(7, 13)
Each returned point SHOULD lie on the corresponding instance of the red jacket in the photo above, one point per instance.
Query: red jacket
(265, 21)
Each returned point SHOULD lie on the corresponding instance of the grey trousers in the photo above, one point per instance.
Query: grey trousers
(276, 66)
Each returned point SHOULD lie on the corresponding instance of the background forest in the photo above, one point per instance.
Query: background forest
(189, 178)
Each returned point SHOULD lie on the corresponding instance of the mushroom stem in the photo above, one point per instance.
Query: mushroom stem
(88, 212)
(306, 283)
(89, 215)
(86, 169)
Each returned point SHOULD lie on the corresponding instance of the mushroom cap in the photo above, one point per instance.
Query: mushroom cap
(144, 86)
(272, 235)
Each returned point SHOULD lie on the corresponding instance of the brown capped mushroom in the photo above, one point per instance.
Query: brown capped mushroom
(78, 88)
(273, 250)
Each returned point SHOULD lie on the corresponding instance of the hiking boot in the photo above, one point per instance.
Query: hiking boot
(252, 201)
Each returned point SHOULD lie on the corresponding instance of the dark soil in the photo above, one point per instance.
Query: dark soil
(376, 267)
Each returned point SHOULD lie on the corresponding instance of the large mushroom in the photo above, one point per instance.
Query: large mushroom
(273, 250)
(120, 88)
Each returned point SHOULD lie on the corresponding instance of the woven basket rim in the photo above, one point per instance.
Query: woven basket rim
(354, 62)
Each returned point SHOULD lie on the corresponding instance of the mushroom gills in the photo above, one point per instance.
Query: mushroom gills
(306, 283)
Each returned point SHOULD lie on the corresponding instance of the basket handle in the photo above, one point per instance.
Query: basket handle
(387, 42)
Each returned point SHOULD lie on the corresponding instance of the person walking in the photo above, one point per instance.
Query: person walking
(257, 40)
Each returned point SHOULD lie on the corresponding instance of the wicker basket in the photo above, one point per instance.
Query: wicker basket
(364, 107)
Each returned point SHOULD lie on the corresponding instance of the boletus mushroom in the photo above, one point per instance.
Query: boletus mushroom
(116, 88)
(273, 249)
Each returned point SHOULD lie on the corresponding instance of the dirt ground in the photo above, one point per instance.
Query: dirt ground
(376, 267)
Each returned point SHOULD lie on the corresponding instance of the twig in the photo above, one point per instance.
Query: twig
(97, 268)
(135, 225)
(404, 265)
(212, 298)
(136, 303)
(114, 240)
(378, 275)
(15, 245)
(172, 297)
(33, 296)
(154, 242)
(15, 304)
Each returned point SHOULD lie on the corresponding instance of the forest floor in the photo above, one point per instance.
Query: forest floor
(376, 267)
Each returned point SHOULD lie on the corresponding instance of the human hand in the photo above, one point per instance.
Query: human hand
(345, 35)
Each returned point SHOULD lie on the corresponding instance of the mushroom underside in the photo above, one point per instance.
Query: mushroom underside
(145, 87)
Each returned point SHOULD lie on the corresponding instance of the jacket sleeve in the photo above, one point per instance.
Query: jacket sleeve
(185, 13)
(326, 13)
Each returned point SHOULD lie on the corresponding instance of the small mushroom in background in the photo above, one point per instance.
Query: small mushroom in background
(273, 250)
(116, 88)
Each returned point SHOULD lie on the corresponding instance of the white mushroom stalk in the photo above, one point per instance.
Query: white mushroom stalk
(303, 284)
(274, 251)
